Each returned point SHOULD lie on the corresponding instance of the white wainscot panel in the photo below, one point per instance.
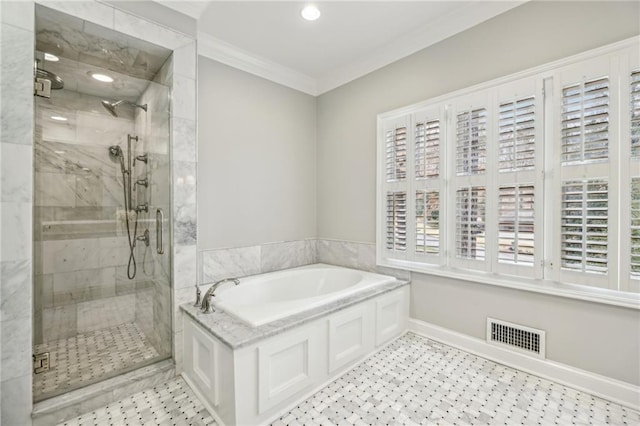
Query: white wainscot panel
(201, 361)
(350, 336)
(391, 315)
(287, 365)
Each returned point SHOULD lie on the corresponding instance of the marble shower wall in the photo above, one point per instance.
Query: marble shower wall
(16, 205)
(81, 245)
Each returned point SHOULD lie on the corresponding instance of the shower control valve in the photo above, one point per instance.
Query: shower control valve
(143, 208)
(144, 158)
(144, 237)
(143, 182)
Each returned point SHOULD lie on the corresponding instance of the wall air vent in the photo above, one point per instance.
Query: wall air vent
(526, 340)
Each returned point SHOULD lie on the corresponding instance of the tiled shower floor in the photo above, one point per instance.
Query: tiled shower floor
(87, 357)
(412, 381)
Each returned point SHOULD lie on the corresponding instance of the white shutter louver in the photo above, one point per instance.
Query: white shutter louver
(585, 121)
(517, 134)
(635, 114)
(396, 221)
(396, 154)
(635, 227)
(516, 224)
(471, 142)
(427, 151)
(470, 223)
(427, 222)
(584, 232)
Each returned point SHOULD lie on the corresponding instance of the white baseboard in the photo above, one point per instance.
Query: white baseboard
(605, 387)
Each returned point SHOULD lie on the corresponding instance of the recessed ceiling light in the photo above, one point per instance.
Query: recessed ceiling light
(58, 118)
(60, 152)
(310, 13)
(51, 57)
(101, 77)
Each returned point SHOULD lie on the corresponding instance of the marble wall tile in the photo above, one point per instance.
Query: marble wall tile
(84, 9)
(184, 224)
(149, 31)
(104, 313)
(340, 253)
(16, 400)
(16, 348)
(59, 322)
(16, 85)
(277, 256)
(18, 13)
(55, 190)
(184, 260)
(15, 287)
(183, 96)
(185, 60)
(16, 227)
(184, 140)
(17, 181)
(236, 262)
(83, 285)
(184, 180)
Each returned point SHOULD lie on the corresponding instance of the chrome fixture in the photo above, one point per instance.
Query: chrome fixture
(45, 81)
(116, 154)
(143, 208)
(198, 303)
(111, 107)
(144, 158)
(207, 307)
(159, 222)
(144, 237)
(142, 182)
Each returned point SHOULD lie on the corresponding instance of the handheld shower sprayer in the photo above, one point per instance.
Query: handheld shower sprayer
(115, 153)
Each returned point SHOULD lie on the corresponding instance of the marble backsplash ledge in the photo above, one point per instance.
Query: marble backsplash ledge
(244, 261)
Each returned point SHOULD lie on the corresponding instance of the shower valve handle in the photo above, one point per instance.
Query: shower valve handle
(143, 208)
(144, 158)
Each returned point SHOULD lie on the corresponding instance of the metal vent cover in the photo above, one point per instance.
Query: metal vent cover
(526, 340)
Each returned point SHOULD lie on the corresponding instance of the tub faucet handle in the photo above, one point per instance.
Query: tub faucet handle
(207, 306)
(198, 303)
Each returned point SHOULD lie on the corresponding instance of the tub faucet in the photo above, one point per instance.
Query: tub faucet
(207, 306)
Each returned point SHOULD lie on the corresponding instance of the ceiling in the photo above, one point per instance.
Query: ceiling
(351, 38)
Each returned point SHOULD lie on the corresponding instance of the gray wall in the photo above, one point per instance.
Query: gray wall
(257, 148)
(595, 337)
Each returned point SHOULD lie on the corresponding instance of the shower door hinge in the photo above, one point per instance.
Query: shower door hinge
(41, 362)
(42, 87)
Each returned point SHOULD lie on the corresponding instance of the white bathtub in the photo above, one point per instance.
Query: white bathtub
(261, 299)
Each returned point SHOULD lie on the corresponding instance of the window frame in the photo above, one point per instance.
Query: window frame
(545, 275)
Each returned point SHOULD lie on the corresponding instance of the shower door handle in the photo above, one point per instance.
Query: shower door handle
(159, 221)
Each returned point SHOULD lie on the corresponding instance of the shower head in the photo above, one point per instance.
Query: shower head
(114, 152)
(111, 106)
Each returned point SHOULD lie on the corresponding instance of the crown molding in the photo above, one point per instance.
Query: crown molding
(460, 19)
(228, 54)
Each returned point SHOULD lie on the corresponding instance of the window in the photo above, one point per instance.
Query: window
(520, 180)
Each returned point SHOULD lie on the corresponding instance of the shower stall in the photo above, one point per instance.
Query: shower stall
(102, 188)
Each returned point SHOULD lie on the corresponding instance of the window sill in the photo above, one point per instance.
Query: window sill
(571, 291)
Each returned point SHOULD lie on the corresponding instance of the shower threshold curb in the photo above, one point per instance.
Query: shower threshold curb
(72, 404)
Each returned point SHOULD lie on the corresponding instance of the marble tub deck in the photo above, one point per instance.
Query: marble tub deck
(236, 334)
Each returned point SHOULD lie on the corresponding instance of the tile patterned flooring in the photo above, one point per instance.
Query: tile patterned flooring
(87, 357)
(412, 381)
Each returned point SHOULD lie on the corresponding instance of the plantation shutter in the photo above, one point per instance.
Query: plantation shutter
(427, 183)
(396, 221)
(585, 121)
(471, 141)
(635, 227)
(516, 135)
(516, 224)
(584, 230)
(470, 223)
(396, 146)
(635, 114)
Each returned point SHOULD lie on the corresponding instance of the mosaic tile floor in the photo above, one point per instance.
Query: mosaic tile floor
(412, 381)
(89, 356)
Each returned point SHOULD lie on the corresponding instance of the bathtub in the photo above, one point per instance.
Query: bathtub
(265, 298)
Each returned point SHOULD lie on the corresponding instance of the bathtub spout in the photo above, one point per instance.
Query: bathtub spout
(207, 306)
